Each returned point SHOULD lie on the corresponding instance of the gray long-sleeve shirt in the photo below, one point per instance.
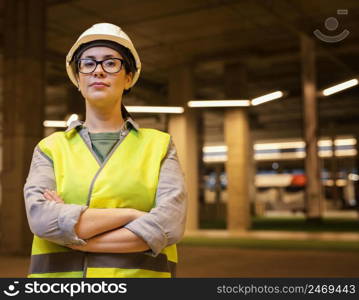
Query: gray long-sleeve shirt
(161, 227)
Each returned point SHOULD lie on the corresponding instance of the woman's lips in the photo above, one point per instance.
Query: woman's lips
(99, 84)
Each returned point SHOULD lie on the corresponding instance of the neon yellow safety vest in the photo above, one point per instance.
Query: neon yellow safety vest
(127, 178)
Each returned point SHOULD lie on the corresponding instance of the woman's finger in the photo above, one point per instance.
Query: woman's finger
(48, 195)
(56, 197)
(52, 196)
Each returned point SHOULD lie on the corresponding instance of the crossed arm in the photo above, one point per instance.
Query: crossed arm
(102, 228)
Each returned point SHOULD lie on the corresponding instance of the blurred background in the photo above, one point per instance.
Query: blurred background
(261, 98)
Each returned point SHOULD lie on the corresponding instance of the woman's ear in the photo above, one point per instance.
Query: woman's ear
(128, 80)
(78, 82)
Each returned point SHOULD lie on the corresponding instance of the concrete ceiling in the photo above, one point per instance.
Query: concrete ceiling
(260, 34)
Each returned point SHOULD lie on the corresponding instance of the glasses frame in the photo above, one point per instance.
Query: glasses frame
(100, 62)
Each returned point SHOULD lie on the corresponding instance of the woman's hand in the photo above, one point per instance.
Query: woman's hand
(53, 196)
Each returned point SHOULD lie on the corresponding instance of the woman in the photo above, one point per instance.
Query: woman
(105, 198)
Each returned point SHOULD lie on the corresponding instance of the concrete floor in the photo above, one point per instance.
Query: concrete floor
(233, 262)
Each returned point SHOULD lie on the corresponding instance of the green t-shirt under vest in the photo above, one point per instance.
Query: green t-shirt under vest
(103, 142)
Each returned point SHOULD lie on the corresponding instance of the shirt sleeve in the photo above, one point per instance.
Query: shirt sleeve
(47, 219)
(164, 225)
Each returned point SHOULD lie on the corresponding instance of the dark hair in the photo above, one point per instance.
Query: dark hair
(129, 61)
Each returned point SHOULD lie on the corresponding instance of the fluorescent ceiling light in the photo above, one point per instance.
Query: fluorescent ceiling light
(325, 153)
(353, 177)
(279, 156)
(286, 145)
(281, 145)
(218, 153)
(267, 97)
(216, 158)
(219, 103)
(339, 182)
(72, 118)
(325, 143)
(339, 87)
(301, 144)
(264, 180)
(61, 124)
(156, 109)
(345, 142)
(215, 149)
(346, 152)
(49, 123)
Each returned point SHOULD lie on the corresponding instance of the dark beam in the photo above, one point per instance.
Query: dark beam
(298, 31)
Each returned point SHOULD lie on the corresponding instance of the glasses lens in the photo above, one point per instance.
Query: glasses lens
(87, 65)
(112, 65)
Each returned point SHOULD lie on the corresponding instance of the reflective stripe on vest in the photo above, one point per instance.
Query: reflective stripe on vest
(106, 263)
(127, 178)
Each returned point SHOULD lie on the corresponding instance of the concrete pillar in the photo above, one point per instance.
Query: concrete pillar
(310, 116)
(356, 166)
(184, 132)
(334, 176)
(218, 186)
(23, 107)
(239, 162)
(201, 166)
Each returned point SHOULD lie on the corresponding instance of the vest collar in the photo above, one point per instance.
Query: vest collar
(129, 123)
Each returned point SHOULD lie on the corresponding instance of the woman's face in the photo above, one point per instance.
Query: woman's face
(101, 88)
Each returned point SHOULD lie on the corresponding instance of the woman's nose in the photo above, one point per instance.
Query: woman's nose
(99, 70)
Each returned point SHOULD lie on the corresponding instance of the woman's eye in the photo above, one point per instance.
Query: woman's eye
(88, 64)
(110, 63)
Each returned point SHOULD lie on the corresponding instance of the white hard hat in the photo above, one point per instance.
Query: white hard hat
(102, 31)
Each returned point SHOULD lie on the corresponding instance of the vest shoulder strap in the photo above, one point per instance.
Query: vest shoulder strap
(154, 133)
(48, 143)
